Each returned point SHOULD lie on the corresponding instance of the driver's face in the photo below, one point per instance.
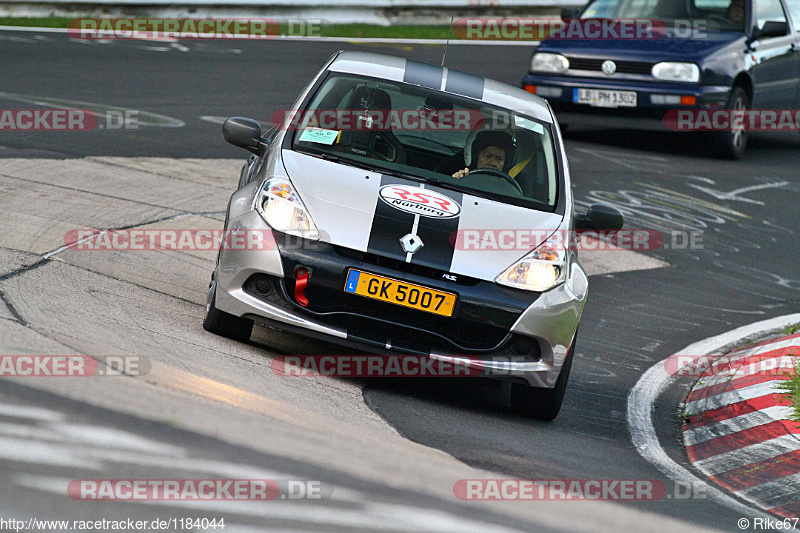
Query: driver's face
(491, 157)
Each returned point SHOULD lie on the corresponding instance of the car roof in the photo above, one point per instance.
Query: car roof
(442, 79)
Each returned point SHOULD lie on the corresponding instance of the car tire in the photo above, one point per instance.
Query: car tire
(732, 144)
(222, 323)
(541, 403)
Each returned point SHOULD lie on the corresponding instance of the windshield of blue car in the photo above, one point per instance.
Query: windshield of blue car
(433, 136)
(683, 15)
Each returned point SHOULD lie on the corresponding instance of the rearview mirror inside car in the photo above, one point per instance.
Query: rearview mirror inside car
(599, 217)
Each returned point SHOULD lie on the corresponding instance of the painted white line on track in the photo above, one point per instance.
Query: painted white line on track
(377, 516)
(354, 40)
(736, 424)
(655, 380)
(737, 395)
(23, 411)
(755, 453)
(28, 451)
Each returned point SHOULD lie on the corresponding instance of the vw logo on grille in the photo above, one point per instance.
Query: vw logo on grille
(608, 67)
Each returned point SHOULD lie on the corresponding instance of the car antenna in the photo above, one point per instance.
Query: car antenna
(448, 40)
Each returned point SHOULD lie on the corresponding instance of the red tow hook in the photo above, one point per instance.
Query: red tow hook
(300, 286)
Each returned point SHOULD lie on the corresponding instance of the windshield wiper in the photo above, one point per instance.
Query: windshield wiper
(397, 174)
(459, 188)
(345, 161)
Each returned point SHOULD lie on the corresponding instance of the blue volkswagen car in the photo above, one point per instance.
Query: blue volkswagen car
(711, 54)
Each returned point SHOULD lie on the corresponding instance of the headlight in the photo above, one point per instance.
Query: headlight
(283, 210)
(540, 270)
(546, 62)
(670, 71)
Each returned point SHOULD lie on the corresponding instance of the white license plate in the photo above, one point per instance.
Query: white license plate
(603, 98)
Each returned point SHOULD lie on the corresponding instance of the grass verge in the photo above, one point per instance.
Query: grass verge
(332, 30)
(791, 388)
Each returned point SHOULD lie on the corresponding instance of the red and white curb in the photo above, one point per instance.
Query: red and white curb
(656, 380)
(739, 430)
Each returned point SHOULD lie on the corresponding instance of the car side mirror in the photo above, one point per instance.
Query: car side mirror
(772, 28)
(599, 217)
(570, 12)
(244, 133)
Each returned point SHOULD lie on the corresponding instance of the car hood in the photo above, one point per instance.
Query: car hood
(460, 233)
(664, 49)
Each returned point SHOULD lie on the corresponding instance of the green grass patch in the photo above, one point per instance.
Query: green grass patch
(791, 330)
(791, 389)
(44, 22)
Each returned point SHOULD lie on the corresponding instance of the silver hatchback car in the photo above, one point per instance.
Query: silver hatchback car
(412, 209)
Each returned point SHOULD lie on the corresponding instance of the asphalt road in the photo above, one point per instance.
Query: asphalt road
(743, 213)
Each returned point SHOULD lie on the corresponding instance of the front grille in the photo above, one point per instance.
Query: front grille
(623, 67)
(400, 266)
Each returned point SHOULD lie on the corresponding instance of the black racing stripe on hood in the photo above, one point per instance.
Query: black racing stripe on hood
(464, 84)
(389, 225)
(438, 236)
(423, 74)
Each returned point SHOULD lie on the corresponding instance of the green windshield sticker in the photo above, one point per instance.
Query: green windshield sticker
(318, 135)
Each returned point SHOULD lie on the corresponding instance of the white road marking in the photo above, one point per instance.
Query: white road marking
(105, 436)
(734, 195)
(737, 395)
(28, 451)
(656, 380)
(35, 413)
(762, 451)
(736, 424)
(142, 118)
(380, 516)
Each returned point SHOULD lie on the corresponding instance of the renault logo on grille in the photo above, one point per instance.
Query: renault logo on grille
(608, 67)
(411, 243)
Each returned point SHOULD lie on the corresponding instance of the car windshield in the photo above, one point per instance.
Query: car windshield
(722, 15)
(432, 136)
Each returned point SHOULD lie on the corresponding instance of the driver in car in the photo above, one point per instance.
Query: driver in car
(490, 149)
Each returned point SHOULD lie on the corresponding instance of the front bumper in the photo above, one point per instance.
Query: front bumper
(509, 334)
(647, 115)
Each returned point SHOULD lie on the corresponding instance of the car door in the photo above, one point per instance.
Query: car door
(776, 66)
(793, 7)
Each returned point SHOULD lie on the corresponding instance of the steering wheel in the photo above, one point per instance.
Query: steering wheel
(499, 174)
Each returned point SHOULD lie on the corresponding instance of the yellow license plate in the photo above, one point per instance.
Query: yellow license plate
(399, 293)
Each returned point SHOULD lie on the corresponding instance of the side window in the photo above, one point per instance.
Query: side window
(718, 5)
(794, 11)
(767, 11)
